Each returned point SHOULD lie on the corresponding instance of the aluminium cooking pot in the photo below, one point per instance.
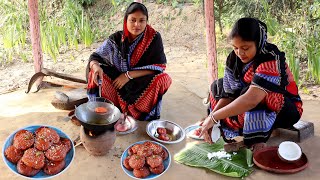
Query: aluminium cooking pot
(97, 122)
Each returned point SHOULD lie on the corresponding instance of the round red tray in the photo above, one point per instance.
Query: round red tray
(268, 159)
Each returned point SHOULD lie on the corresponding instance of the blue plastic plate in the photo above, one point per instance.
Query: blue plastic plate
(166, 163)
(41, 174)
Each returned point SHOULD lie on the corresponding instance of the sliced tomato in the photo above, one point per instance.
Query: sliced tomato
(197, 132)
(161, 130)
(164, 137)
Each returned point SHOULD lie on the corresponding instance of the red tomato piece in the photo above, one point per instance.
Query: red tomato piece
(164, 137)
(161, 130)
(197, 132)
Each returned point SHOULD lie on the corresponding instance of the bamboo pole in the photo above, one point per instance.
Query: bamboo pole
(211, 41)
(35, 34)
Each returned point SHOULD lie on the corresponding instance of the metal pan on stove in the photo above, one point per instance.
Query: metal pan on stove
(98, 122)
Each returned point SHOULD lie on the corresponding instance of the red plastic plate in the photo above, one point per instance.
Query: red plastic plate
(268, 159)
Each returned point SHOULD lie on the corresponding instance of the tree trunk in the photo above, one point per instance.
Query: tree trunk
(211, 41)
(139, 1)
(35, 34)
(220, 5)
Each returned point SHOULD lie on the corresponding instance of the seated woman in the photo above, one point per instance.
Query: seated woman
(130, 64)
(256, 94)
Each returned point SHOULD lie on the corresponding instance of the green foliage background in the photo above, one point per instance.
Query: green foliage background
(292, 24)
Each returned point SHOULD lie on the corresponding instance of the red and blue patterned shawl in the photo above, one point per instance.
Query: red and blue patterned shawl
(145, 52)
(268, 70)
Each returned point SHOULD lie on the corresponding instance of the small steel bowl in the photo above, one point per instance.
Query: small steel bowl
(176, 133)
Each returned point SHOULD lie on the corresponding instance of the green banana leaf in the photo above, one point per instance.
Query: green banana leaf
(196, 155)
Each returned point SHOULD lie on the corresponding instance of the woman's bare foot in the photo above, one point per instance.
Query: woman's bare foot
(238, 138)
(258, 146)
(275, 133)
(234, 146)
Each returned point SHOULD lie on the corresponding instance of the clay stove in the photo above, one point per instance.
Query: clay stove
(97, 144)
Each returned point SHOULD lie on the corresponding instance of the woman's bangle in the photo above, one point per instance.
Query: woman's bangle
(94, 64)
(128, 76)
(213, 119)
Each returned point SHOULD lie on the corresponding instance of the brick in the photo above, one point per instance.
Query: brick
(304, 130)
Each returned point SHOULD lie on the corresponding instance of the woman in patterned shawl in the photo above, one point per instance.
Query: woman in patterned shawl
(130, 64)
(257, 93)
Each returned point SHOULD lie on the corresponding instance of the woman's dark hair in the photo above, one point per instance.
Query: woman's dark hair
(248, 29)
(135, 6)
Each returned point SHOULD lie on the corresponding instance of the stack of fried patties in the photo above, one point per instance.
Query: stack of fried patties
(145, 158)
(43, 150)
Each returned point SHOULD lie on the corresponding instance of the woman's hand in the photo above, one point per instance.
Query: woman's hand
(206, 125)
(97, 72)
(120, 81)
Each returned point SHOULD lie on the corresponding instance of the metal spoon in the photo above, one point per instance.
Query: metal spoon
(155, 133)
(100, 83)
